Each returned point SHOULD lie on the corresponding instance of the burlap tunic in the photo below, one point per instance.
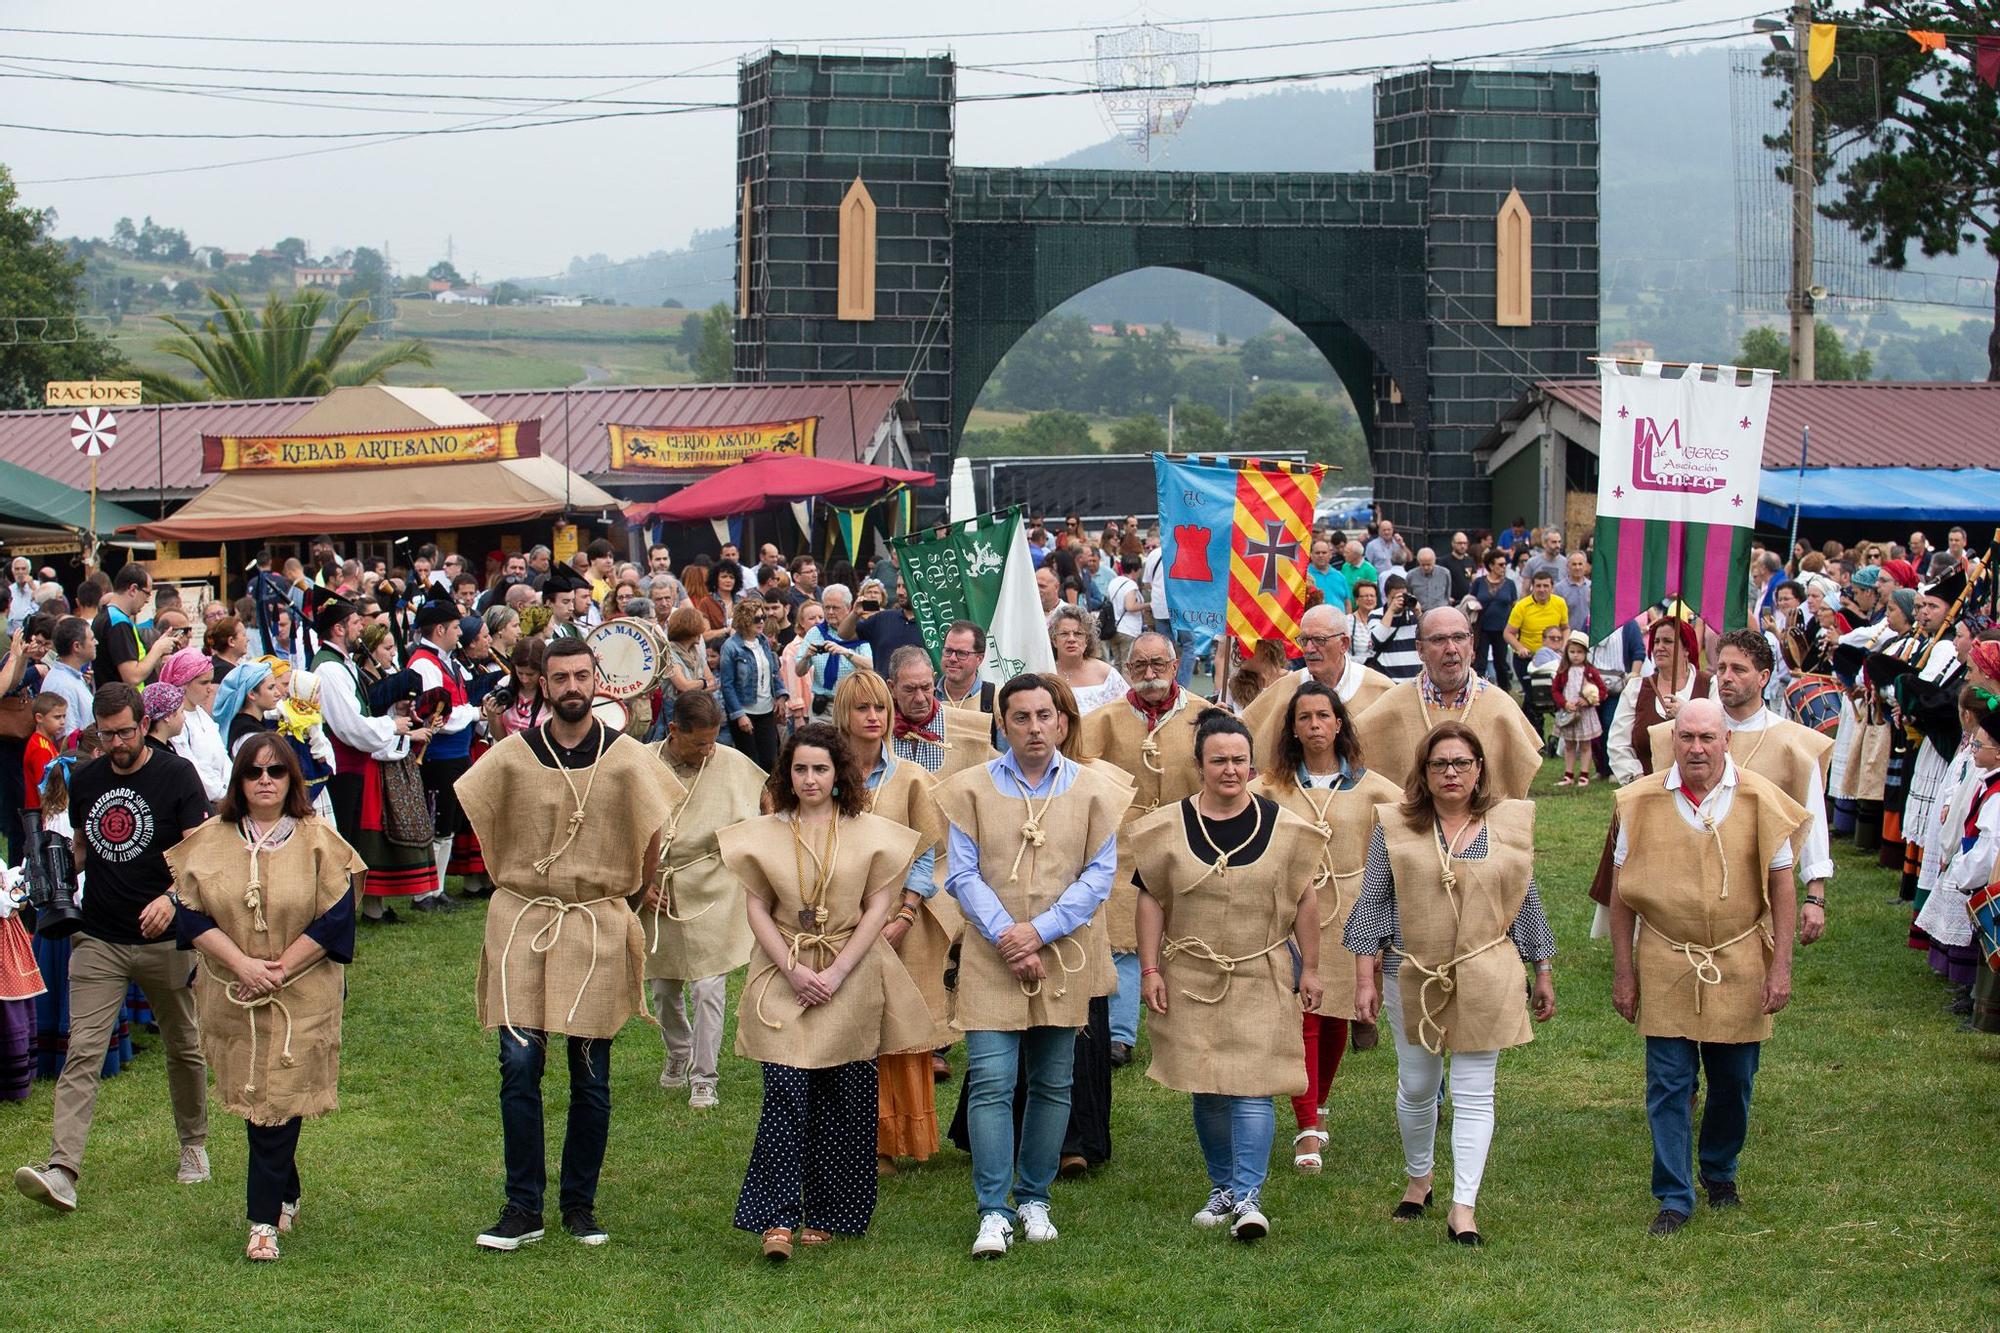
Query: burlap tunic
(1782, 751)
(701, 930)
(280, 1058)
(1266, 714)
(877, 1008)
(564, 950)
(1347, 818)
(1230, 1028)
(1702, 958)
(1161, 765)
(1463, 933)
(1392, 730)
(1072, 827)
(904, 797)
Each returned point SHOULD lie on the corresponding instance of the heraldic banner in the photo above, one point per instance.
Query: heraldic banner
(978, 570)
(1679, 458)
(1236, 534)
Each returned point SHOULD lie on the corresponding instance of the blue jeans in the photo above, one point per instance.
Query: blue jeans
(1125, 1000)
(992, 1061)
(1235, 1135)
(521, 1118)
(1184, 648)
(1673, 1069)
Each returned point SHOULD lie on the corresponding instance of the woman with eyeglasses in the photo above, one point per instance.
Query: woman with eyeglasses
(265, 895)
(753, 690)
(1073, 636)
(1448, 902)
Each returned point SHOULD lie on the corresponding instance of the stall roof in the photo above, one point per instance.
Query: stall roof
(159, 447)
(30, 498)
(1883, 494)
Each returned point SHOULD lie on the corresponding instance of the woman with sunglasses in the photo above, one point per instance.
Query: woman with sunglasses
(265, 895)
(1448, 901)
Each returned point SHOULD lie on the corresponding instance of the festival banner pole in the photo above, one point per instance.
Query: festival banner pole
(1799, 497)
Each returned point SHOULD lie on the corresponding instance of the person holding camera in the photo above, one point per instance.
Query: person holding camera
(1392, 632)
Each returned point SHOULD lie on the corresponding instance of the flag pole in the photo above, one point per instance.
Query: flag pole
(1799, 498)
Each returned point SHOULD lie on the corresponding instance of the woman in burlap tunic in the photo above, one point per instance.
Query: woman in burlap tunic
(1317, 773)
(1449, 893)
(820, 877)
(1228, 959)
(266, 894)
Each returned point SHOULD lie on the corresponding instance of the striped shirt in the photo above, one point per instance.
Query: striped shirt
(1373, 927)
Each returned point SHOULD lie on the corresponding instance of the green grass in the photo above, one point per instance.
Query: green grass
(1867, 1181)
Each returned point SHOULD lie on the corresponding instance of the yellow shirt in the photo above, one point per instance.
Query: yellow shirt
(1532, 620)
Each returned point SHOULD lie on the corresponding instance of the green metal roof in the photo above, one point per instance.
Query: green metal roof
(29, 497)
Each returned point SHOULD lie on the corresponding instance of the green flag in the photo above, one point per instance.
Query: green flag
(978, 570)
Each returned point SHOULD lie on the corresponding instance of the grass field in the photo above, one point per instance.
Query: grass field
(1866, 1205)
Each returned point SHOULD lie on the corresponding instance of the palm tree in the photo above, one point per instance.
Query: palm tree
(239, 354)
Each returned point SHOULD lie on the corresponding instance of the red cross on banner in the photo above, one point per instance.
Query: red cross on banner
(1267, 565)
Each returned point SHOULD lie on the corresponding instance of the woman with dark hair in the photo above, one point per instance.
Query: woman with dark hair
(694, 581)
(1228, 958)
(820, 879)
(1450, 892)
(521, 706)
(265, 895)
(1320, 777)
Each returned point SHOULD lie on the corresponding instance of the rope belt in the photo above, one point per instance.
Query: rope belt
(268, 1000)
(1196, 947)
(544, 940)
(665, 897)
(1062, 964)
(828, 943)
(1441, 977)
(1701, 957)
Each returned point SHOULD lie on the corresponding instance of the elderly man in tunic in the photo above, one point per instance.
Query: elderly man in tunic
(1702, 915)
(696, 929)
(1151, 737)
(570, 817)
(1448, 690)
(1325, 634)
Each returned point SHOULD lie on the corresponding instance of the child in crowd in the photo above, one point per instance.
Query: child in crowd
(1575, 689)
(1538, 685)
(51, 717)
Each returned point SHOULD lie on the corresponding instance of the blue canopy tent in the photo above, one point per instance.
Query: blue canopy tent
(1899, 495)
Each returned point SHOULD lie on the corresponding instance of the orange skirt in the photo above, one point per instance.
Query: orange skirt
(906, 1119)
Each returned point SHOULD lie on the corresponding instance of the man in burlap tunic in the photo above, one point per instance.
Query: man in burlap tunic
(1032, 849)
(569, 817)
(1447, 689)
(1151, 737)
(1325, 634)
(1702, 915)
(696, 932)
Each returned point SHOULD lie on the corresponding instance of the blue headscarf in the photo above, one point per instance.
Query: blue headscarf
(236, 687)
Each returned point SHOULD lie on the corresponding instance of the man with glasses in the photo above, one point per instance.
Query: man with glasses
(1150, 736)
(129, 806)
(1393, 729)
(1324, 638)
(961, 685)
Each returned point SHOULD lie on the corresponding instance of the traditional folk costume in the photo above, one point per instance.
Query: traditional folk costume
(698, 935)
(1927, 698)
(565, 834)
(1793, 757)
(1698, 877)
(814, 1160)
(1969, 831)
(1341, 807)
(1395, 727)
(363, 743)
(1229, 893)
(448, 754)
(20, 983)
(1860, 739)
(899, 791)
(1629, 747)
(1044, 854)
(276, 1058)
(482, 678)
(1463, 920)
(1358, 687)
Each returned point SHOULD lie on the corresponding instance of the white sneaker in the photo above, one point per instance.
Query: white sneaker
(702, 1094)
(996, 1233)
(47, 1185)
(670, 1080)
(194, 1165)
(1035, 1224)
(1221, 1203)
(1250, 1223)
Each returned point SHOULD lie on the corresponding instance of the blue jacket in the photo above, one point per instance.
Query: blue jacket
(738, 674)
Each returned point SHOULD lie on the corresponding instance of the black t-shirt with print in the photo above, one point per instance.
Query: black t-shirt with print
(126, 822)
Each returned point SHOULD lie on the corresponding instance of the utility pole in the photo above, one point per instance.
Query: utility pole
(1803, 210)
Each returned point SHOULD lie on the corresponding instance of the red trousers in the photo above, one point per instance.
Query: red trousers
(1326, 1042)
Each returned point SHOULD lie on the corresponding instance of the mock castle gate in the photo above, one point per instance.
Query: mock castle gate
(1439, 285)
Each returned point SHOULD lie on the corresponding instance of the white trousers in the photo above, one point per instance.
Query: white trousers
(1419, 1075)
(690, 1014)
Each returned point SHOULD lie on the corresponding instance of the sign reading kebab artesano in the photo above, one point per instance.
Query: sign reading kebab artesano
(487, 442)
(678, 448)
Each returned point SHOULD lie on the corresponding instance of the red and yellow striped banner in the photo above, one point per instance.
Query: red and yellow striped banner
(1268, 547)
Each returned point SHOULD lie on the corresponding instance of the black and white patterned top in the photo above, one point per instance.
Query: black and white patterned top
(1373, 928)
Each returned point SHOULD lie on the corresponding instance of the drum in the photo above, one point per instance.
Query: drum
(631, 657)
(1814, 702)
(611, 713)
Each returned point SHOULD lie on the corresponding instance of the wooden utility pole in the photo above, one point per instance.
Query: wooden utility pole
(1803, 210)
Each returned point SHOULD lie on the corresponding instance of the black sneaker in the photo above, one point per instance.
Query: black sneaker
(516, 1227)
(1668, 1222)
(582, 1223)
(434, 902)
(1721, 1193)
(388, 918)
(1121, 1054)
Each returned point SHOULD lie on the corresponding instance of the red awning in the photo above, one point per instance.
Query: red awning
(766, 480)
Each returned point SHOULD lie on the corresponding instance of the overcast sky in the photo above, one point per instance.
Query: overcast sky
(521, 202)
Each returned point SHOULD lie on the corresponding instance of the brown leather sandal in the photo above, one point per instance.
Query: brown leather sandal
(778, 1244)
(815, 1236)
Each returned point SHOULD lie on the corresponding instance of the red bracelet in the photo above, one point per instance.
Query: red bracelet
(1149, 971)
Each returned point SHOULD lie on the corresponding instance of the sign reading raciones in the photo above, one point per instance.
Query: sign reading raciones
(486, 442)
(680, 448)
(91, 393)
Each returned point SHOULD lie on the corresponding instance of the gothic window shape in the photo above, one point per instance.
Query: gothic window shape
(857, 254)
(1514, 287)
